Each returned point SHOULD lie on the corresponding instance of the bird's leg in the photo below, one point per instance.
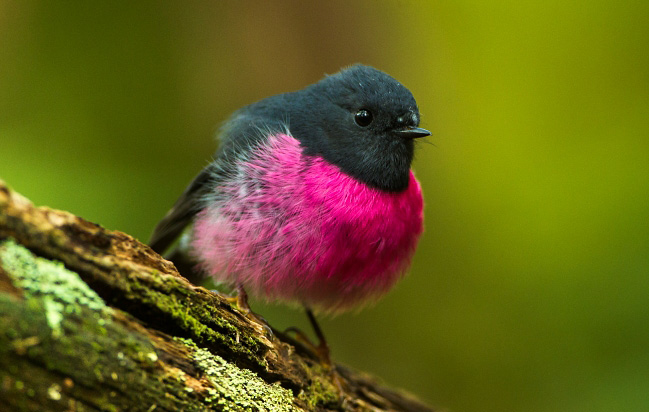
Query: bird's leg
(240, 299)
(321, 350)
(241, 303)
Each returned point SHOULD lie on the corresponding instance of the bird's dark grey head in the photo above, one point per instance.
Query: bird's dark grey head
(362, 120)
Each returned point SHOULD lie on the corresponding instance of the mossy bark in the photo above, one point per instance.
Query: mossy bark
(93, 320)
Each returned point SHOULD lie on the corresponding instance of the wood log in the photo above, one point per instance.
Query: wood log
(93, 320)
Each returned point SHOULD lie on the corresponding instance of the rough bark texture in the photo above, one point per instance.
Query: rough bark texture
(93, 320)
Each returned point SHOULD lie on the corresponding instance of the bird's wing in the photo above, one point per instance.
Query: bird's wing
(182, 212)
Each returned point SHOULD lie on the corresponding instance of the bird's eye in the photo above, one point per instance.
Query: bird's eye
(363, 117)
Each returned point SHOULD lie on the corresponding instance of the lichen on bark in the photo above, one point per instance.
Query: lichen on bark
(93, 320)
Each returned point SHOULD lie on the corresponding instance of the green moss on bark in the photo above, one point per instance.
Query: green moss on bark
(60, 291)
(238, 389)
(62, 329)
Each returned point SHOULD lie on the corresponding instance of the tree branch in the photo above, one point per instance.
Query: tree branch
(93, 320)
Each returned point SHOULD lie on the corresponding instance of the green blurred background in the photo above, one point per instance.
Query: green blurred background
(530, 288)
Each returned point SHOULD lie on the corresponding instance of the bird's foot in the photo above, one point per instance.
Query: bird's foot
(240, 302)
(319, 351)
(322, 354)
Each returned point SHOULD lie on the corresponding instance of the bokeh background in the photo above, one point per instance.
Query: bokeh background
(530, 288)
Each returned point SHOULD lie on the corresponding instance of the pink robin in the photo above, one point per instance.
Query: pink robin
(310, 197)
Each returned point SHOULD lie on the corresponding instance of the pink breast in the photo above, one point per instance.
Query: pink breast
(295, 228)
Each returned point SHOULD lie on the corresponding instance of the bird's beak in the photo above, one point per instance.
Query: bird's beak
(413, 132)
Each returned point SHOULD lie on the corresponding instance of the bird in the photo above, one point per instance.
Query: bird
(310, 197)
